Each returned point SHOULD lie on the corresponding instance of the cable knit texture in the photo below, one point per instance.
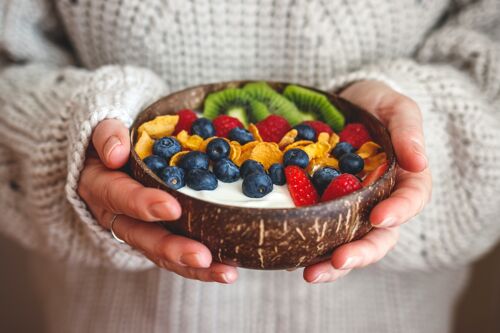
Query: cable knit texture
(125, 54)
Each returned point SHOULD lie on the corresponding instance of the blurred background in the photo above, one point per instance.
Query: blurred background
(478, 309)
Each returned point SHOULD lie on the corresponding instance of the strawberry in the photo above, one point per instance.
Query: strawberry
(356, 134)
(318, 126)
(224, 124)
(340, 186)
(301, 188)
(374, 175)
(273, 128)
(186, 119)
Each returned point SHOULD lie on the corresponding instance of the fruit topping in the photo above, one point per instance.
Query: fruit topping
(166, 147)
(226, 171)
(240, 135)
(251, 166)
(173, 176)
(203, 127)
(224, 124)
(257, 185)
(356, 134)
(155, 163)
(342, 148)
(340, 186)
(351, 163)
(323, 177)
(186, 119)
(218, 149)
(318, 126)
(194, 160)
(273, 128)
(305, 132)
(277, 174)
(374, 175)
(201, 180)
(300, 187)
(296, 157)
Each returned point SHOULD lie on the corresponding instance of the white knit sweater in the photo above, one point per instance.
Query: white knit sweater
(125, 54)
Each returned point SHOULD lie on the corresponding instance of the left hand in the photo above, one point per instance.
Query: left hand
(412, 191)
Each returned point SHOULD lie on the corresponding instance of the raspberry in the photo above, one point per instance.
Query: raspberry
(186, 120)
(224, 124)
(356, 134)
(340, 186)
(273, 128)
(318, 126)
(301, 188)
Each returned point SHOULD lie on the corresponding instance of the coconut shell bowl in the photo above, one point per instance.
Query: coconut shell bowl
(269, 238)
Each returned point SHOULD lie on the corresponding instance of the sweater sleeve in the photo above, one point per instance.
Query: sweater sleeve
(455, 79)
(48, 109)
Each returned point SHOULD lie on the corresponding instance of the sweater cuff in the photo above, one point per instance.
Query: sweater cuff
(112, 92)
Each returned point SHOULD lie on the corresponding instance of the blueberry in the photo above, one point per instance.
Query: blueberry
(201, 180)
(305, 132)
(257, 185)
(155, 163)
(351, 163)
(166, 147)
(203, 127)
(296, 157)
(226, 171)
(342, 148)
(194, 160)
(173, 176)
(241, 135)
(323, 177)
(277, 174)
(218, 149)
(251, 166)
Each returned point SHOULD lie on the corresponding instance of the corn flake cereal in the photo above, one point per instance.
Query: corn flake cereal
(298, 144)
(317, 163)
(368, 149)
(288, 138)
(323, 137)
(267, 154)
(371, 163)
(317, 150)
(160, 126)
(249, 146)
(255, 132)
(174, 160)
(235, 152)
(144, 145)
(334, 139)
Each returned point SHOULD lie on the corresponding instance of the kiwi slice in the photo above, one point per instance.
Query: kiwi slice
(236, 103)
(275, 103)
(310, 101)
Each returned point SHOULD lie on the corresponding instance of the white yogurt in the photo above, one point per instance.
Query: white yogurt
(231, 194)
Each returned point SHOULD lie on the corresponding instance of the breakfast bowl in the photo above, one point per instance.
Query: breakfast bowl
(268, 237)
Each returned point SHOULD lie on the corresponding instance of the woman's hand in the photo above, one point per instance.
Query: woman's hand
(403, 119)
(108, 192)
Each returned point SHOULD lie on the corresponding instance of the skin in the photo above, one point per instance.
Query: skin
(108, 191)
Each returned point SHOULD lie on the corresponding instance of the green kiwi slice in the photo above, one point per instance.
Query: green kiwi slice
(275, 103)
(236, 103)
(310, 101)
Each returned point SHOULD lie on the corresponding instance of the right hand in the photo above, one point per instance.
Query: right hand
(108, 191)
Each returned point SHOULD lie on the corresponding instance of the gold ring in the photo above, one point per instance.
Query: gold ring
(118, 239)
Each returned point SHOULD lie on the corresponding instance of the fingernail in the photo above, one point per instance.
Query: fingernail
(419, 150)
(321, 278)
(191, 260)
(162, 211)
(387, 222)
(351, 262)
(110, 145)
(219, 277)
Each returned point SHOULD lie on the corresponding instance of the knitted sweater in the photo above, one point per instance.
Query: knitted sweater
(68, 64)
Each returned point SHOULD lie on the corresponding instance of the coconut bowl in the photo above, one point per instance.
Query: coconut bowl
(269, 238)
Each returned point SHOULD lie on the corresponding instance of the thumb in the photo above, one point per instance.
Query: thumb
(111, 141)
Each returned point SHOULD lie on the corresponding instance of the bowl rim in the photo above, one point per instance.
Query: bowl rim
(331, 96)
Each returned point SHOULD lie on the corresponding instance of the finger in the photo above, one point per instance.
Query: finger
(368, 250)
(412, 193)
(111, 141)
(159, 244)
(120, 194)
(217, 272)
(323, 272)
(404, 122)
